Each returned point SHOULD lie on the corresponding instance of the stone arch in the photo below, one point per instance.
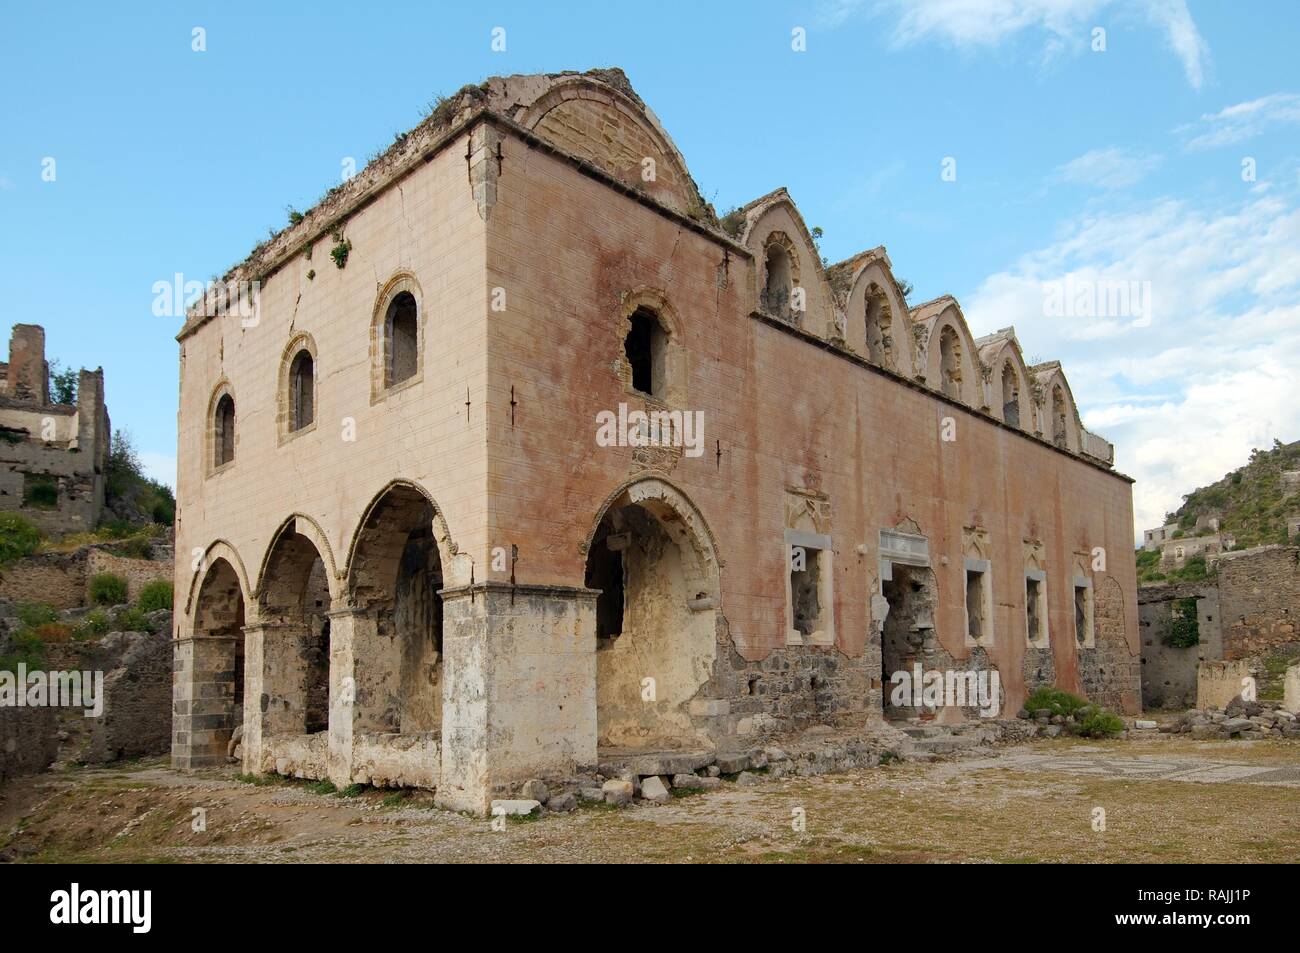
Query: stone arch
(776, 213)
(381, 345)
(654, 560)
(356, 580)
(217, 549)
(952, 362)
(575, 104)
(1009, 362)
(288, 408)
(396, 570)
(874, 299)
(293, 649)
(302, 525)
(1059, 423)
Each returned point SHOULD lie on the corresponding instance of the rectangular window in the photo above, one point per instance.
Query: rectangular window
(1036, 609)
(809, 589)
(979, 602)
(1083, 624)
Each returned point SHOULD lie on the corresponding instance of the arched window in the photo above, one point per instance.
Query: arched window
(302, 390)
(1059, 432)
(949, 363)
(1010, 396)
(224, 431)
(880, 342)
(779, 281)
(646, 348)
(401, 339)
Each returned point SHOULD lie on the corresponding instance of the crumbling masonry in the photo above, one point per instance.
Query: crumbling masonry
(414, 563)
(52, 456)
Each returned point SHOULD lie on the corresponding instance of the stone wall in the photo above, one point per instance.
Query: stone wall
(1218, 683)
(1168, 672)
(28, 742)
(1259, 597)
(57, 579)
(137, 572)
(137, 718)
(63, 579)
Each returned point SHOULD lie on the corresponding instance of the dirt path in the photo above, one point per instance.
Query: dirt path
(1172, 801)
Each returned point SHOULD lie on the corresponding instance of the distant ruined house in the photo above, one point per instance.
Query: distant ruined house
(417, 562)
(52, 456)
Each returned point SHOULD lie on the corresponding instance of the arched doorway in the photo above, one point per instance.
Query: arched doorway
(653, 561)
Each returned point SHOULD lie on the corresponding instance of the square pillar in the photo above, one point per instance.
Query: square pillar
(204, 680)
(275, 686)
(519, 688)
(364, 667)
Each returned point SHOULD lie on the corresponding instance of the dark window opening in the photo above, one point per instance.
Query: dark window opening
(1059, 431)
(805, 597)
(1033, 619)
(974, 603)
(401, 335)
(302, 391)
(605, 572)
(778, 282)
(1010, 397)
(645, 347)
(1081, 614)
(225, 430)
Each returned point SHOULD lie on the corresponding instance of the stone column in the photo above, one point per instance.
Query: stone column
(519, 688)
(203, 699)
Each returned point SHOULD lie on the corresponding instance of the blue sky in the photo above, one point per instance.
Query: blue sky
(1123, 164)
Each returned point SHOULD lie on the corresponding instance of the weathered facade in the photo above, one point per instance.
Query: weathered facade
(434, 543)
(52, 456)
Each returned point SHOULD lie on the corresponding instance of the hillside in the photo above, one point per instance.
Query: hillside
(1251, 502)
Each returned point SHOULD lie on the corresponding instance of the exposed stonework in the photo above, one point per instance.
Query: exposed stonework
(62, 580)
(507, 598)
(1169, 671)
(52, 456)
(28, 741)
(1248, 611)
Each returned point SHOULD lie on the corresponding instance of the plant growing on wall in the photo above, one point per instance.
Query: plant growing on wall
(340, 251)
(1183, 630)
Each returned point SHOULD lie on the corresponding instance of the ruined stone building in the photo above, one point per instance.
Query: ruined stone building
(1248, 611)
(52, 456)
(420, 557)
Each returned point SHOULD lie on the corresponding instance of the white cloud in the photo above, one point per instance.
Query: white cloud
(159, 466)
(1244, 120)
(1187, 396)
(1182, 35)
(1111, 168)
(1066, 23)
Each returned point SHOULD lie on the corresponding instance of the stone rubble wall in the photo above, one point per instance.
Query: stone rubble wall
(28, 741)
